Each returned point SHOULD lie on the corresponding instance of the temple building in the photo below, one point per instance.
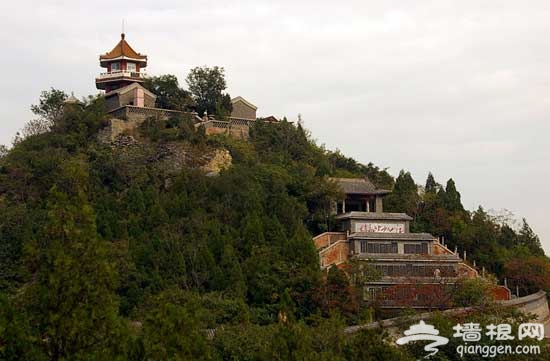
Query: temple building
(124, 67)
(129, 103)
(126, 100)
(243, 109)
(413, 269)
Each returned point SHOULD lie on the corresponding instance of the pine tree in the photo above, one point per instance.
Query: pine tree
(404, 197)
(431, 185)
(173, 328)
(287, 308)
(529, 239)
(72, 300)
(452, 201)
(231, 278)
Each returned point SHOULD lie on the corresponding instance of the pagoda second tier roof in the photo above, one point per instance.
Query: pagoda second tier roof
(122, 50)
(377, 216)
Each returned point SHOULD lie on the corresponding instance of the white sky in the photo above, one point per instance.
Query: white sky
(459, 88)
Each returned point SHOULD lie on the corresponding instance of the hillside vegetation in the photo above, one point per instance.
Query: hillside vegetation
(106, 254)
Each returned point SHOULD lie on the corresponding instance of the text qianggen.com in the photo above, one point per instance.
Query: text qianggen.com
(495, 350)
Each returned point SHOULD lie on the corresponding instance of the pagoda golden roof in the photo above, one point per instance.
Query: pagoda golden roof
(122, 50)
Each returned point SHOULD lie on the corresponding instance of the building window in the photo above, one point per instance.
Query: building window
(115, 66)
(416, 248)
(377, 247)
(416, 270)
(373, 293)
(131, 67)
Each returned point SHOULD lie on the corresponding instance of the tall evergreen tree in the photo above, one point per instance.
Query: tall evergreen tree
(452, 201)
(431, 185)
(529, 239)
(72, 300)
(404, 197)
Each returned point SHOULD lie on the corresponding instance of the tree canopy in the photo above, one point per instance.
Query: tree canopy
(169, 93)
(207, 86)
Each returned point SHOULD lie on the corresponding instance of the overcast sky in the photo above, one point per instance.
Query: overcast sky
(459, 88)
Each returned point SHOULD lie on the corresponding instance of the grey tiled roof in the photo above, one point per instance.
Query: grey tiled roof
(358, 186)
(375, 216)
(393, 236)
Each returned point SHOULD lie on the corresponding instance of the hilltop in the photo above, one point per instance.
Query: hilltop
(145, 250)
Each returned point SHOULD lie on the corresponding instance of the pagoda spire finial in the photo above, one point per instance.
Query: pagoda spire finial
(122, 33)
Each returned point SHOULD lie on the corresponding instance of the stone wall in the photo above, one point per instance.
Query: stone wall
(111, 103)
(328, 238)
(501, 293)
(466, 271)
(117, 127)
(335, 254)
(236, 129)
(127, 119)
(535, 304)
(139, 114)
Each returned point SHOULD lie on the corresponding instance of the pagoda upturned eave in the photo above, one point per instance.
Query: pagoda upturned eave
(122, 51)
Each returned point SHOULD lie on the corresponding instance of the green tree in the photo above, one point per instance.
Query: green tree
(529, 239)
(231, 278)
(173, 329)
(3, 151)
(207, 86)
(404, 197)
(287, 308)
(72, 300)
(49, 111)
(431, 185)
(169, 93)
(377, 349)
(451, 200)
(471, 292)
(17, 337)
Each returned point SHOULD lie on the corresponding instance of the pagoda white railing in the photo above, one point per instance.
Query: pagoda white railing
(120, 73)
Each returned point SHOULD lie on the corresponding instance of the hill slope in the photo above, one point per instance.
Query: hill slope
(112, 253)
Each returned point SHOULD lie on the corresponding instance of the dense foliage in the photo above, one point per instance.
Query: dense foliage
(106, 255)
(207, 85)
(490, 240)
(169, 93)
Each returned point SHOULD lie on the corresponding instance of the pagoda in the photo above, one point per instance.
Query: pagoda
(124, 67)
(129, 103)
